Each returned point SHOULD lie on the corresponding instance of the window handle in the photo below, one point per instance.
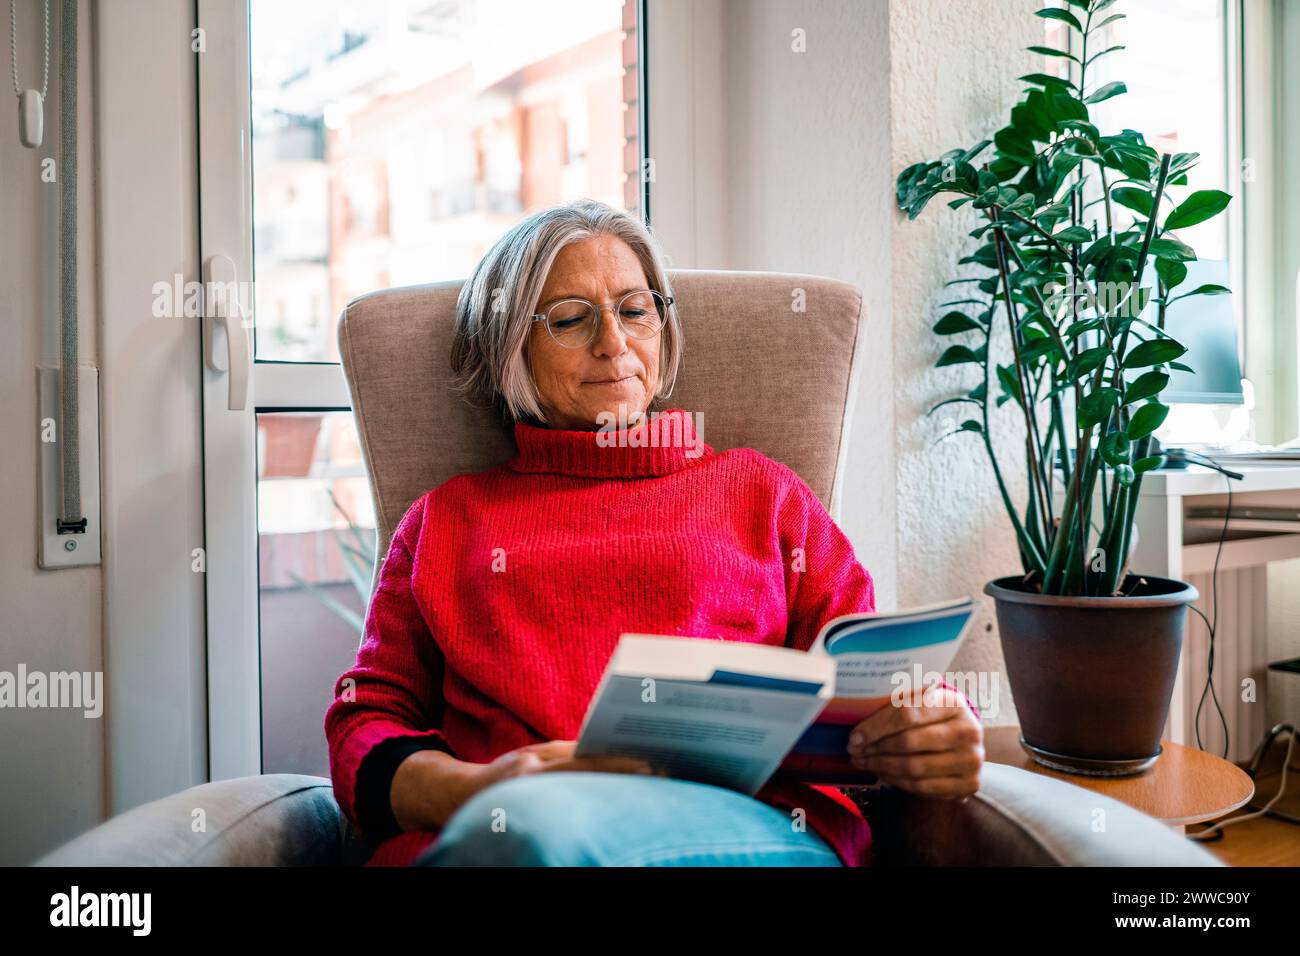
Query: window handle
(224, 327)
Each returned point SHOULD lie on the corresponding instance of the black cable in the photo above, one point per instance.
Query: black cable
(1213, 625)
(1213, 694)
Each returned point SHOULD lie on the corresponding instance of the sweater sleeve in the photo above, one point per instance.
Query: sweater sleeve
(823, 576)
(393, 691)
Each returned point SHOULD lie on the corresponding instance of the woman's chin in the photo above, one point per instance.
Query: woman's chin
(621, 410)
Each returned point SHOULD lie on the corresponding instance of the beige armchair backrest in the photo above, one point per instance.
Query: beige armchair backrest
(767, 362)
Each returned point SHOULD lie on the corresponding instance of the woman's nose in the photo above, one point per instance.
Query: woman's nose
(610, 336)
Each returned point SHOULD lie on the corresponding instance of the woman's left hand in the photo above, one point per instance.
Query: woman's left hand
(934, 747)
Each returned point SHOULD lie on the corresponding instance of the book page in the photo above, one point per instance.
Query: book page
(730, 735)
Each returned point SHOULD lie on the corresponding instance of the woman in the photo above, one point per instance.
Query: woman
(504, 592)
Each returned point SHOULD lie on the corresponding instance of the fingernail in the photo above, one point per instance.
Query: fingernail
(855, 739)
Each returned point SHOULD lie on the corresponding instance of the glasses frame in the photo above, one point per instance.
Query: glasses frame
(599, 309)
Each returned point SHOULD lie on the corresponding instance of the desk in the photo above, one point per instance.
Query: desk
(1172, 545)
(1185, 785)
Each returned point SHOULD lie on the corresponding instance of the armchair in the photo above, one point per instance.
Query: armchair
(750, 357)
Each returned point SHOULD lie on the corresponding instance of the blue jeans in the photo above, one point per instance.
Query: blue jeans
(572, 818)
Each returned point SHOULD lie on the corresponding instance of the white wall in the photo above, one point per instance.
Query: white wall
(61, 773)
(51, 761)
(786, 161)
(953, 70)
(769, 159)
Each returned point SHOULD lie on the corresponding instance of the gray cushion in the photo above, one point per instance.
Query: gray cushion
(279, 819)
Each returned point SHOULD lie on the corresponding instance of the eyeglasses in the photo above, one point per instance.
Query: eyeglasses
(573, 323)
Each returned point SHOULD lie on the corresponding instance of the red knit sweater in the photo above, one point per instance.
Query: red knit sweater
(504, 592)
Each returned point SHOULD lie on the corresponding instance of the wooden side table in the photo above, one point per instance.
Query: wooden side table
(1185, 785)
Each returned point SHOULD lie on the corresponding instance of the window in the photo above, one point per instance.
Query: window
(392, 144)
(1180, 64)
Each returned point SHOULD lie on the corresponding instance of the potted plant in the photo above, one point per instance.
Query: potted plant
(1064, 316)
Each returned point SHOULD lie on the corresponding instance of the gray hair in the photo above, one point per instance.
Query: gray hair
(496, 304)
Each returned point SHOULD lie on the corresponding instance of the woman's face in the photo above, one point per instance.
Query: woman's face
(577, 384)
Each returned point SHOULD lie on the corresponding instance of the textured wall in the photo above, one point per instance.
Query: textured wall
(952, 82)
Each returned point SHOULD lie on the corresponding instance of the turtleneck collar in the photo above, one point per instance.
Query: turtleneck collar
(665, 442)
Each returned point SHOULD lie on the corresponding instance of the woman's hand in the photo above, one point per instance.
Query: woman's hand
(430, 785)
(550, 756)
(934, 748)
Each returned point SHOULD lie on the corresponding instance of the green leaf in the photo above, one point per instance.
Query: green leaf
(1146, 385)
(1124, 474)
(1074, 234)
(955, 322)
(1139, 200)
(1053, 13)
(1004, 167)
(1198, 207)
(1083, 325)
(1096, 405)
(1114, 448)
(1048, 81)
(1167, 248)
(1011, 144)
(1065, 160)
(1105, 51)
(1147, 463)
(1132, 163)
(1146, 420)
(1171, 272)
(1090, 132)
(1052, 51)
(1114, 88)
(1208, 289)
(985, 255)
(957, 355)
(1024, 206)
(974, 151)
(1089, 360)
(1181, 367)
(1154, 352)
(953, 401)
(1182, 162)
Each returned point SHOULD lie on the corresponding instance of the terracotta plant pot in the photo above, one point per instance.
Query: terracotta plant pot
(1092, 676)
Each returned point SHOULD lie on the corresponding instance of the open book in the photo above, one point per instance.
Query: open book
(736, 714)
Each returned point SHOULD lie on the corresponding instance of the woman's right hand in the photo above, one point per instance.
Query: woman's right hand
(553, 755)
(430, 785)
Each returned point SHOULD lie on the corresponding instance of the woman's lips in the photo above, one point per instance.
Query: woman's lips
(625, 378)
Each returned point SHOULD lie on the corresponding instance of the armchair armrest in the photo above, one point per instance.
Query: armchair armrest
(1018, 818)
(270, 820)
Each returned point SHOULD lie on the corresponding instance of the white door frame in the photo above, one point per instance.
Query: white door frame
(229, 437)
(229, 406)
(230, 434)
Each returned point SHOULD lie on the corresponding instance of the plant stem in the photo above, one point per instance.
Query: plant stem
(1034, 437)
(1027, 545)
(1105, 195)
